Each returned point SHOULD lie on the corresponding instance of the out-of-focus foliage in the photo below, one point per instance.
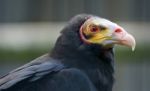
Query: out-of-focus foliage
(122, 54)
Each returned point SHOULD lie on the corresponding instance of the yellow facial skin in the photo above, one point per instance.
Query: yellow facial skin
(101, 31)
(97, 36)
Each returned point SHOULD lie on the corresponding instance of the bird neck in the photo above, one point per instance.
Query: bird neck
(96, 62)
(79, 54)
(78, 50)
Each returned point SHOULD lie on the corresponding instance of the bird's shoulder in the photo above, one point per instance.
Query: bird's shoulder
(68, 79)
(32, 71)
(46, 73)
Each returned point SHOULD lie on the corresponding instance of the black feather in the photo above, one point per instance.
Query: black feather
(71, 66)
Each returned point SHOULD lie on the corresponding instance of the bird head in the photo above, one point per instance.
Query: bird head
(96, 30)
(91, 34)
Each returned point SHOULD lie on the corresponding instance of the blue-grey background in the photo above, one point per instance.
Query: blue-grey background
(29, 28)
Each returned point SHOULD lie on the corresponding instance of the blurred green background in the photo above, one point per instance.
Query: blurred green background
(29, 28)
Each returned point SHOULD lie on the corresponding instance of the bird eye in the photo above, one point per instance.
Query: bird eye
(94, 29)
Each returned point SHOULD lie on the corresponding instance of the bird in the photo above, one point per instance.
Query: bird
(82, 59)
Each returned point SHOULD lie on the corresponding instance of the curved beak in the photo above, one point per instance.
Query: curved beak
(121, 37)
(129, 41)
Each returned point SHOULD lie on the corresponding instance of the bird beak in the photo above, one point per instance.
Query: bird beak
(121, 37)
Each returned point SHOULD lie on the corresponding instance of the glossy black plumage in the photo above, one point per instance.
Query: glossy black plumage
(71, 66)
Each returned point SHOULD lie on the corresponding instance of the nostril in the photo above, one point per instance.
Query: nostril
(118, 30)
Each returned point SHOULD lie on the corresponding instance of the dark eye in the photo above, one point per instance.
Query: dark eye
(94, 29)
